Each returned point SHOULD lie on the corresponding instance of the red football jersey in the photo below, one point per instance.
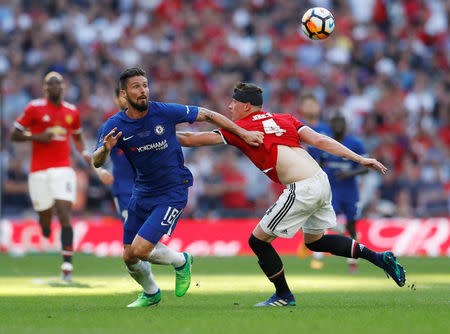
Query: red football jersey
(63, 120)
(278, 129)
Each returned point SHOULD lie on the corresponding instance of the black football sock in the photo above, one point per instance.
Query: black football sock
(341, 245)
(270, 262)
(66, 242)
(46, 231)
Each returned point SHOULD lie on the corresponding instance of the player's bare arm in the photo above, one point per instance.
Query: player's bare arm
(330, 145)
(79, 142)
(104, 175)
(252, 138)
(20, 136)
(102, 153)
(199, 138)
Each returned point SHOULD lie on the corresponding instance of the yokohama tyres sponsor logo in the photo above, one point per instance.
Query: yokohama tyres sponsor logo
(160, 145)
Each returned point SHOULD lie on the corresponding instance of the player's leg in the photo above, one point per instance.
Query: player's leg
(63, 186)
(323, 218)
(139, 270)
(272, 265)
(275, 222)
(163, 220)
(350, 211)
(45, 220)
(42, 199)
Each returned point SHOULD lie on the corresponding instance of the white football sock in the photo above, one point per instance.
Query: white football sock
(142, 273)
(162, 254)
(318, 255)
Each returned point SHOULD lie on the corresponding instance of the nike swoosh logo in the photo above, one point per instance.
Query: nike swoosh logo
(126, 138)
(267, 170)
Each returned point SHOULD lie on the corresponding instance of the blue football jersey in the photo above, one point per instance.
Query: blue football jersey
(122, 170)
(322, 128)
(345, 189)
(152, 148)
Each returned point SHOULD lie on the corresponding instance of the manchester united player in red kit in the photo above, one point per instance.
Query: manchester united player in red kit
(52, 183)
(306, 202)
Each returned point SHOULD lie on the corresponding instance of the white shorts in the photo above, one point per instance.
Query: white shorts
(304, 204)
(52, 184)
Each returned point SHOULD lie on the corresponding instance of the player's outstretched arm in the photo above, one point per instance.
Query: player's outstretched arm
(330, 145)
(252, 138)
(79, 142)
(102, 153)
(199, 138)
(20, 135)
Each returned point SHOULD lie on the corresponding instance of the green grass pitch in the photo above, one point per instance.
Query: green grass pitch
(221, 298)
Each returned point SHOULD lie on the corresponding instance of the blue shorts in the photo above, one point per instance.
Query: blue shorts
(121, 202)
(348, 208)
(152, 219)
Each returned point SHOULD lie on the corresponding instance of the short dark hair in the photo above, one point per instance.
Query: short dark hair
(129, 73)
(248, 87)
(247, 92)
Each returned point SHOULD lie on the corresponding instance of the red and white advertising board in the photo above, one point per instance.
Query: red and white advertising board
(226, 237)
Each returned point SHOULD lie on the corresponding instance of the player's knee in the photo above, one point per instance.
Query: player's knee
(256, 245)
(315, 246)
(141, 253)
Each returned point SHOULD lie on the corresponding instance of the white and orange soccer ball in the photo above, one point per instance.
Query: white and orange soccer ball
(318, 23)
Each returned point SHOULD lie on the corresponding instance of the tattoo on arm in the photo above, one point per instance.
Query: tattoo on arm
(206, 115)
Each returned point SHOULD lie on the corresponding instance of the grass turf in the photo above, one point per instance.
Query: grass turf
(221, 298)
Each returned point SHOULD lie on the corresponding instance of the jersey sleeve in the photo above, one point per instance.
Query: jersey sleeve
(297, 123)
(229, 138)
(26, 119)
(76, 124)
(179, 113)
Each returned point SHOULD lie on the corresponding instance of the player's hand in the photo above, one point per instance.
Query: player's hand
(44, 137)
(374, 164)
(253, 138)
(105, 176)
(110, 140)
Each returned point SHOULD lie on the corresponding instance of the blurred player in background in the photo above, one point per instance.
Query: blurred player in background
(342, 174)
(146, 134)
(51, 122)
(310, 109)
(306, 203)
(122, 178)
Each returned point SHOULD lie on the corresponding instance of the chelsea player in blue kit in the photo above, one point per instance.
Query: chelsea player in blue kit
(342, 176)
(123, 175)
(146, 133)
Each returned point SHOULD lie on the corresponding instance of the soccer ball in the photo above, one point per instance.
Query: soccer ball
(317, 23)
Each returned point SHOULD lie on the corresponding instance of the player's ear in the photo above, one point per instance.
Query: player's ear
(123, 94)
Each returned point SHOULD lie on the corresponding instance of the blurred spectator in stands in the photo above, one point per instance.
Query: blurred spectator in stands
(15, 188)
(234, 199)
(387, 65)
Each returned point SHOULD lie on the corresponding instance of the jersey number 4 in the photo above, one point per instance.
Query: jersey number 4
(271, 127)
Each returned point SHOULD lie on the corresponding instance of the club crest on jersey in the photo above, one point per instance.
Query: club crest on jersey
(69, 119)
(159, 129)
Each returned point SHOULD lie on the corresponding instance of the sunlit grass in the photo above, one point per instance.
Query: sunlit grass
(204, 284)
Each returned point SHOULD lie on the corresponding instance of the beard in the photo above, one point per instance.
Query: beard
(140, 106)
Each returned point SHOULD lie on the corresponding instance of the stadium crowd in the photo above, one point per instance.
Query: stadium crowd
(386, 67)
